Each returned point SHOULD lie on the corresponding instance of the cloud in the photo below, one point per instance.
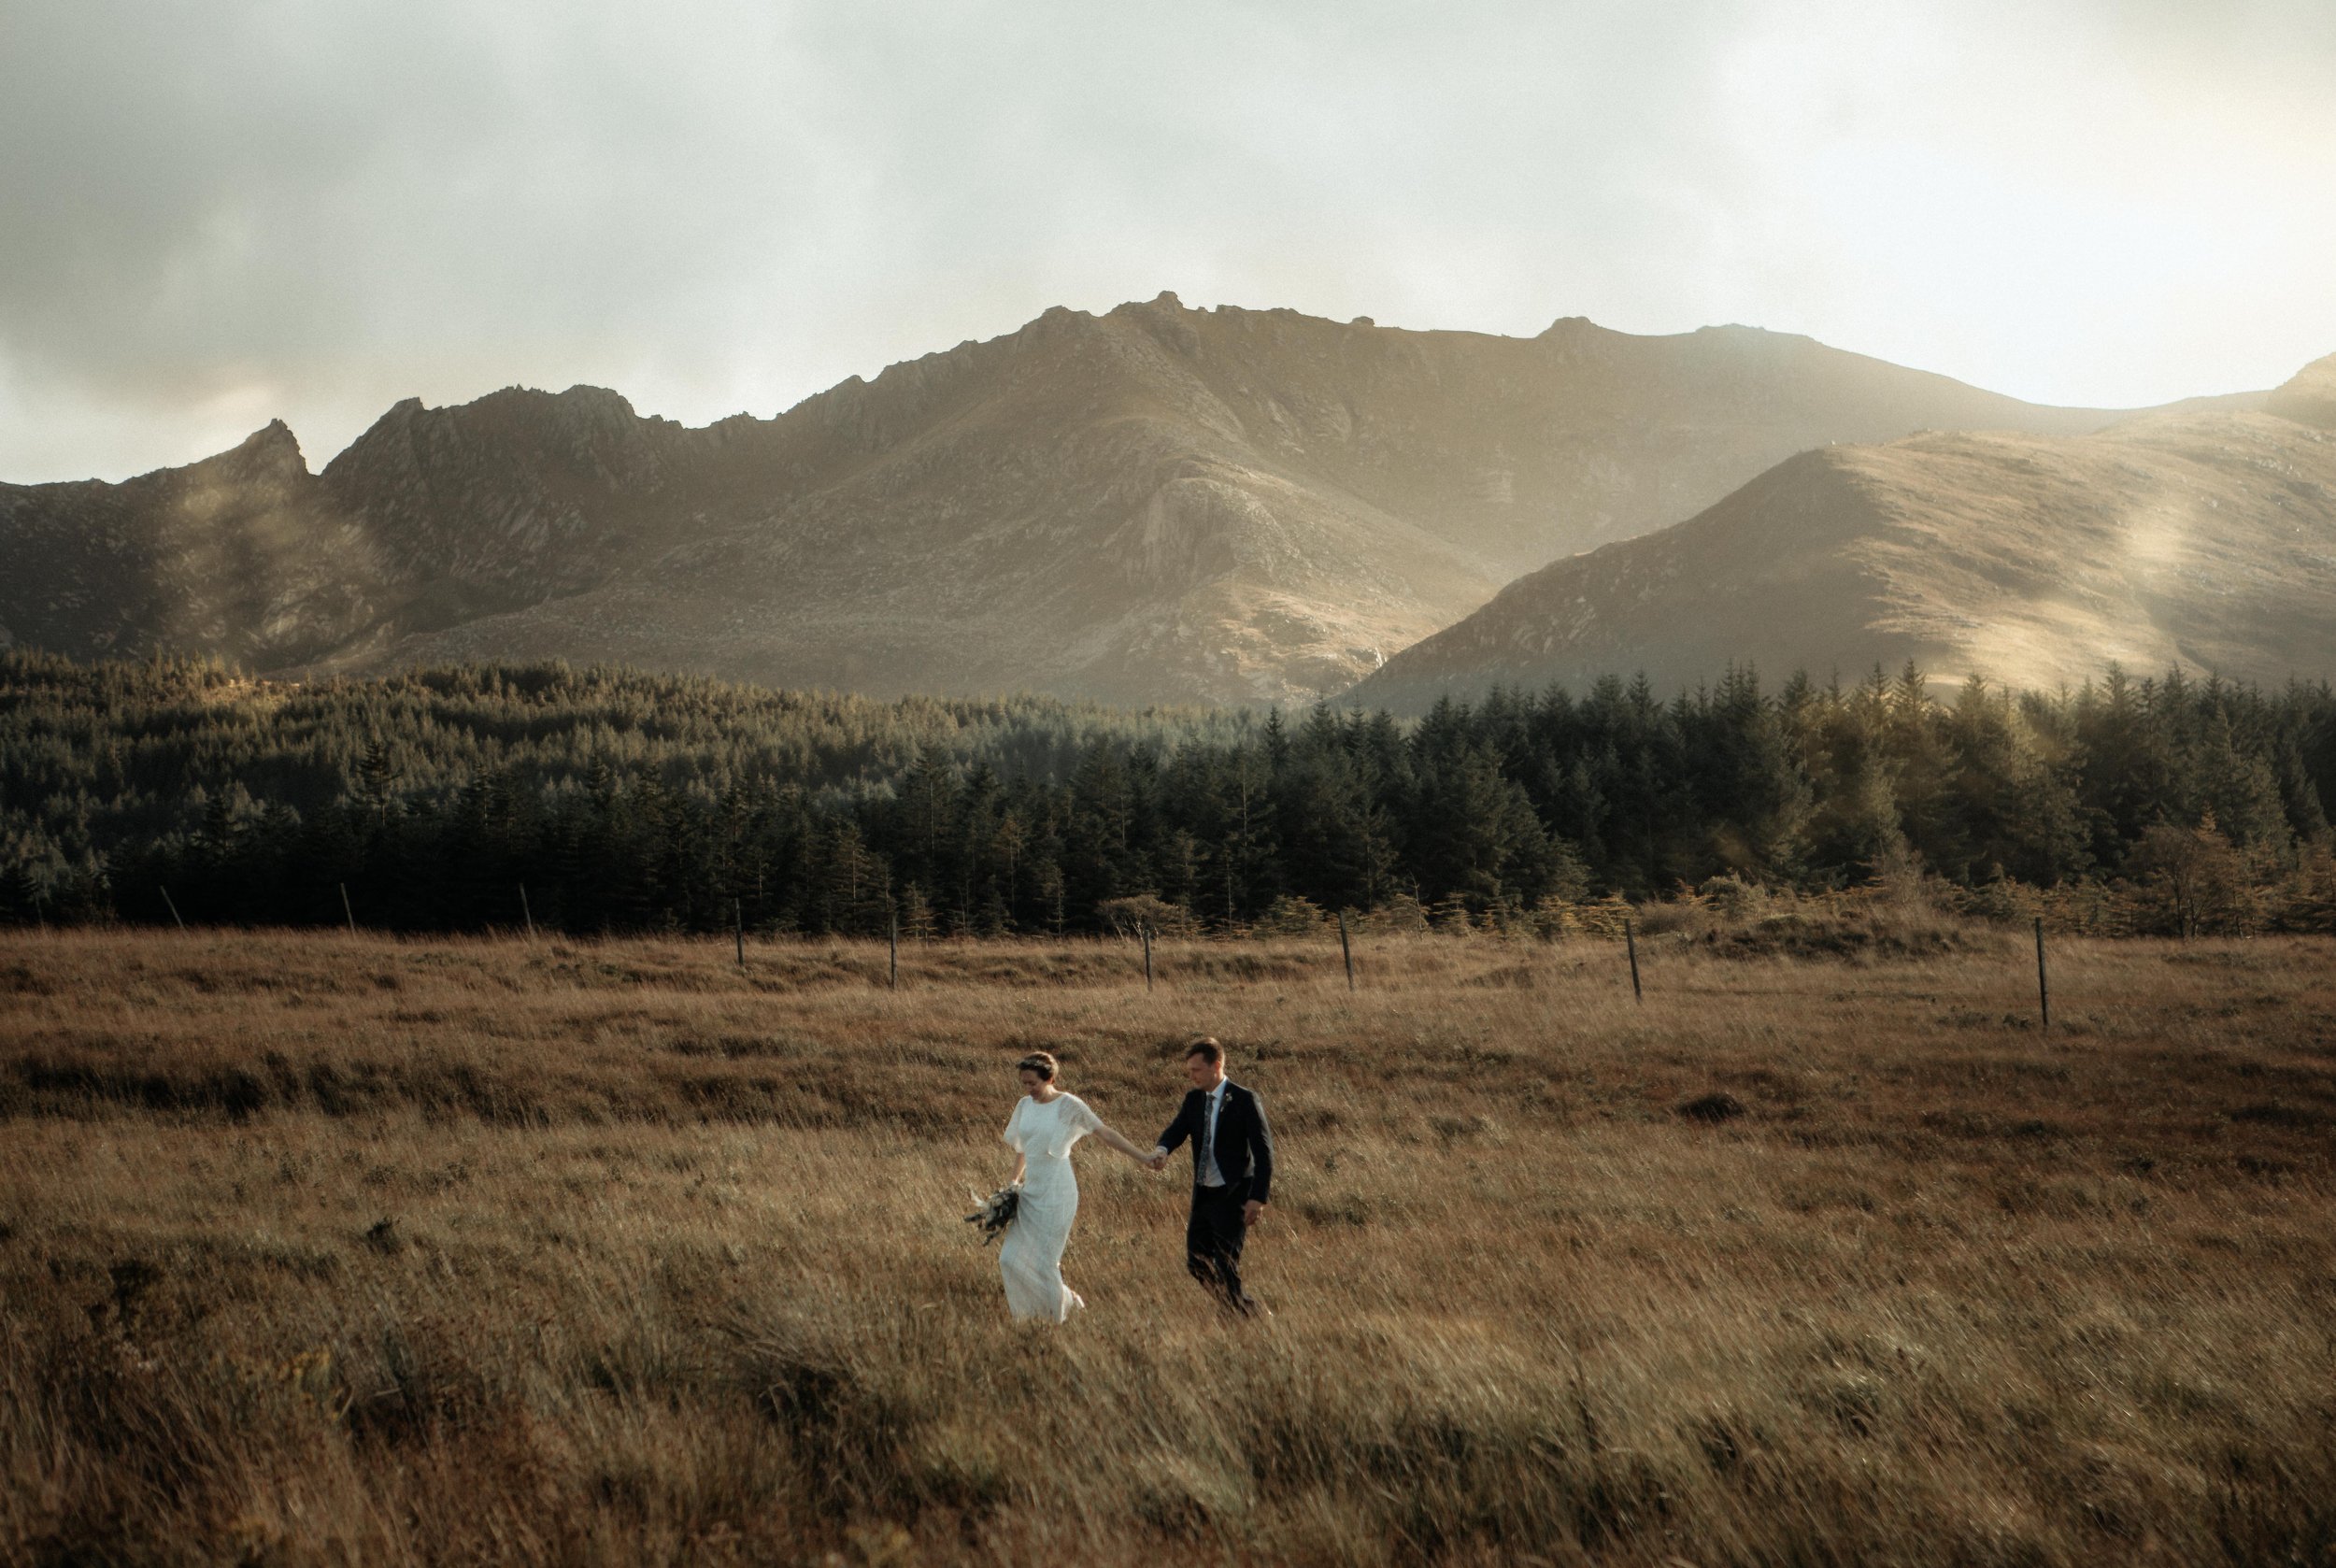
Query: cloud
(215, 213)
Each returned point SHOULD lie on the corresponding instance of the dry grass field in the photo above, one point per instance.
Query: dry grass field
(323, 1249)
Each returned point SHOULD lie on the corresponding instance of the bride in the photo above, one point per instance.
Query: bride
(1045, 1124)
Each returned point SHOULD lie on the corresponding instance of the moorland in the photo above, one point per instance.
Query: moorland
(331, 1248)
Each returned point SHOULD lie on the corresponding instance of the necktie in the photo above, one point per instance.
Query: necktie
(1208, 1135)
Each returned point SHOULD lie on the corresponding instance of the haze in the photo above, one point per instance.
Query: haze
(211, 215)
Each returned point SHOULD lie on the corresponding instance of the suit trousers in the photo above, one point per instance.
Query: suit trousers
(1212, 1242)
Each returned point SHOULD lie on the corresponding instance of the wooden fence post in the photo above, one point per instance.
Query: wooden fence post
(346, 910)
(1630, 945)
(1346, 950)
(1144, 930)
(527, 914)
(896, 950)
(738, 928)
(2044, 989)
(172, 907)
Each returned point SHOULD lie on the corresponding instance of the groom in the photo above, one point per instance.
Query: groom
(1232, 1172)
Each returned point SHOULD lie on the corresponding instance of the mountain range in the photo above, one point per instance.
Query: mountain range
(2203, 539)
(1153, 505)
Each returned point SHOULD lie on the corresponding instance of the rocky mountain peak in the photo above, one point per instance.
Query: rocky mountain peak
(1056, 324)
(271, 451)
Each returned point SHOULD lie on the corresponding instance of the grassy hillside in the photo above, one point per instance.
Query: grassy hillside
(2196, 540)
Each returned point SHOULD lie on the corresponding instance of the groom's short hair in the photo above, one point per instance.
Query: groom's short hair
(1206, 1049)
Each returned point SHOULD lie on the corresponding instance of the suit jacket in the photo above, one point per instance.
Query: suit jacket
(1245, 1145)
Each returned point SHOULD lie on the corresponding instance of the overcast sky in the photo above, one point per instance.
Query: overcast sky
(216, 213)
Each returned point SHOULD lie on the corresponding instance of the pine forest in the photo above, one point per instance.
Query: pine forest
(605, 800)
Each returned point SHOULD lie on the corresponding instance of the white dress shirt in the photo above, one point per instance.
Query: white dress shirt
(1210, 1175)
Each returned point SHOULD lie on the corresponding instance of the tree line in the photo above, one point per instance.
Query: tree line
(624, 801)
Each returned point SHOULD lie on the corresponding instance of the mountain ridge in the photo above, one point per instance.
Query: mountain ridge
(1149, 503)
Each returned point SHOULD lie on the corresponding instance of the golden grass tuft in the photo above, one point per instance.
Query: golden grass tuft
(321, 1248)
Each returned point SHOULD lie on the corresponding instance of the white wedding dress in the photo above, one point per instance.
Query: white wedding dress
(1031, 1257)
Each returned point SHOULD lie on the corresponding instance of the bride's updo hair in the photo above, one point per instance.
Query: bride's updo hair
(1041, 1062)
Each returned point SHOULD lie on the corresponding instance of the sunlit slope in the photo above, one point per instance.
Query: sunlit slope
(2309, 398)
(2204, 540)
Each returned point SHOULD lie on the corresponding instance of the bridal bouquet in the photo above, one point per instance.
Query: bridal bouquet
(995, 1213)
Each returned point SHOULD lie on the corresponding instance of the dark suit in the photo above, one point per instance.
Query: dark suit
(1245, 1157)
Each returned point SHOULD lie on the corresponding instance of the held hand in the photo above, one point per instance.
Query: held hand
(1156, 1159)
(1252, 1211)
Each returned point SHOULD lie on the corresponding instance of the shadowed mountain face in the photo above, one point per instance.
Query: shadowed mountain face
(1154, 504)
(2201, 539)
